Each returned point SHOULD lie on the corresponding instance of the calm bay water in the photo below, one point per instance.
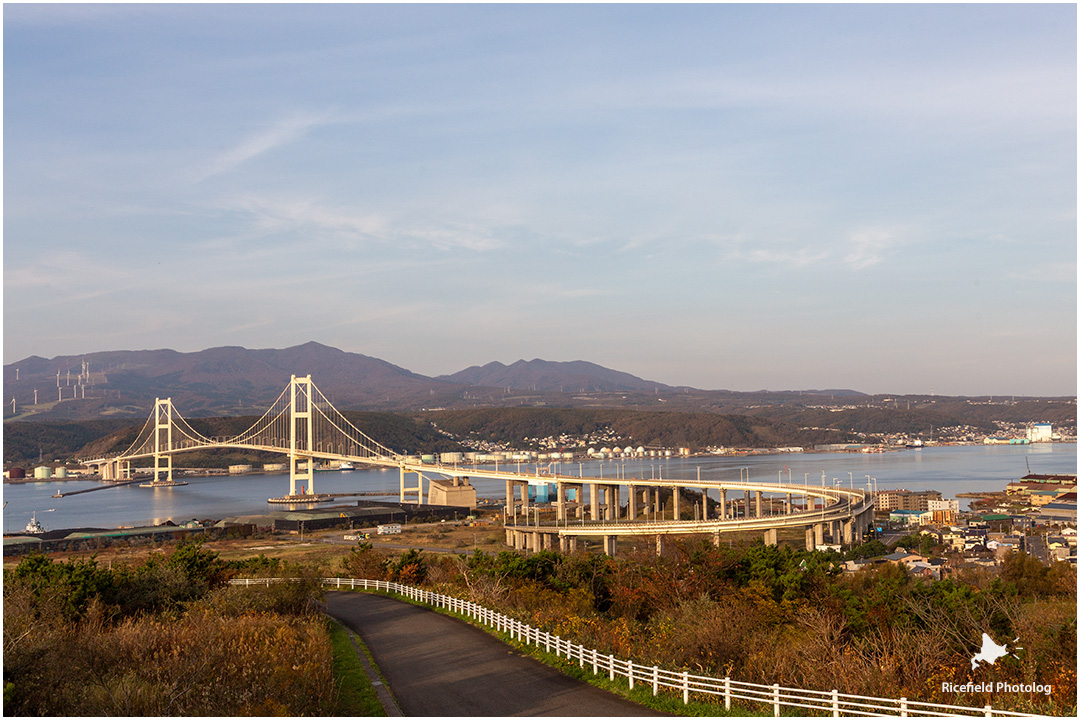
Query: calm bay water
(948, 469)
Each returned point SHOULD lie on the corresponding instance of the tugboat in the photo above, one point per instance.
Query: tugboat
(34, 527)
(346, 467)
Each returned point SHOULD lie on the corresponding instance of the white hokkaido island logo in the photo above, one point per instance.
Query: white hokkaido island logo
(990, 652)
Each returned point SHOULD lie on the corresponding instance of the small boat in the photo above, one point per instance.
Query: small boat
(347, 466)
(34, 527)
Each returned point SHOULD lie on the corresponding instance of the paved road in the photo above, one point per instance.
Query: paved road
(438, 666)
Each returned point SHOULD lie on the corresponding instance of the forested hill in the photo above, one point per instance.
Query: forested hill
(29, 442)
(524, 427)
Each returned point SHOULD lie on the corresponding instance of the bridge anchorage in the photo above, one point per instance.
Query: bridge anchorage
(304, 426)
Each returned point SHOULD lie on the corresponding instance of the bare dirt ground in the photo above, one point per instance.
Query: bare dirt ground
(326, 547)
(320, 545)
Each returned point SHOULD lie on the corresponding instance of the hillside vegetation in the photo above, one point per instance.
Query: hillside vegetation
(164, 638)
(655, 429)
(26, 442)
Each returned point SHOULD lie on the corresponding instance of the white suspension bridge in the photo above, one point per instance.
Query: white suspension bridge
(304, 425)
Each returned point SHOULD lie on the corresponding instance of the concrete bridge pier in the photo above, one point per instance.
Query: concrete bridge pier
(659, 545)
(631, 503)
(788, 509)
(594, 501)
(675, 504)
(560, 502)
(864, 523)
(723, 503)
(809, 537)
(611, 545)
(770, 536)
(757, 503)
(746, 504)
(849, 531)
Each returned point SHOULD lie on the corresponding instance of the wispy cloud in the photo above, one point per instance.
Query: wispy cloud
(346, 226)
(868, 247)
(741, 248)
(278, 133)
(48, 280)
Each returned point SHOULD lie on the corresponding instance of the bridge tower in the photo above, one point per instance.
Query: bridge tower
(163, 448)
(301, 441)
(163, 440)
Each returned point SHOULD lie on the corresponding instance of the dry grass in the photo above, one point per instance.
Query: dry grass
(223, 657)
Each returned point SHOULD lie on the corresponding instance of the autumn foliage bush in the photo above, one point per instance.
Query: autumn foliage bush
(166, 638)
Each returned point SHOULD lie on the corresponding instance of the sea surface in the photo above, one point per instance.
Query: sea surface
(950, 469)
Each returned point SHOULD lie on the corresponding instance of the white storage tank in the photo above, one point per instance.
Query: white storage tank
(61, 472)
(42, 473)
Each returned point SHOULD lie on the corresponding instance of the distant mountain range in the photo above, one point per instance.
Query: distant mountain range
(233, 381)
(237, 381)
(543, 375)
(217, 381)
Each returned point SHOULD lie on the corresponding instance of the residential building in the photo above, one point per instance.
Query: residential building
(906, 499)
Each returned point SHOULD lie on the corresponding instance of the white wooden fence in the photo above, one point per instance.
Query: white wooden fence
(777, 696)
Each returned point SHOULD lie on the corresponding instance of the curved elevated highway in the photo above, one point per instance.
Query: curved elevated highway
(842, 514)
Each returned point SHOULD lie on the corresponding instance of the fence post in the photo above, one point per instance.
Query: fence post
(630, 672)
(988, 711)
(685, 688)
(581, 656)
(903, 707)
(727, 693)
(835, 703)
(594, 670)
(611, 667)
(776, 699)
(655, 680)
(557, 653)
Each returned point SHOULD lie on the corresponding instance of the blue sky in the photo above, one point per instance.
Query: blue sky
(782, 197)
